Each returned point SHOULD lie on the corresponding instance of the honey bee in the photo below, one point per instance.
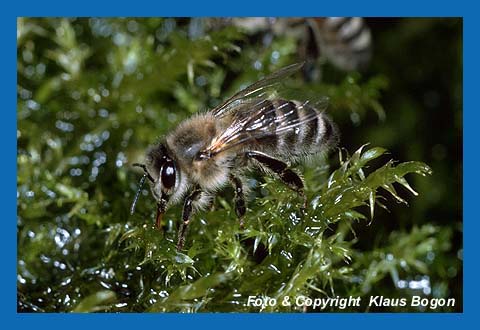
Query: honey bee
(250, 130)
(345, 42)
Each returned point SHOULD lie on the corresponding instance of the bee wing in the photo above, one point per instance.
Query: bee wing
(258, 119)
(258, 89)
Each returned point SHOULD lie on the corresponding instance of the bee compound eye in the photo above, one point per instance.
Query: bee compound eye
(168, 175)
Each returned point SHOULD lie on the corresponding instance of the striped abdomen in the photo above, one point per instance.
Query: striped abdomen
(345, 41)
(301, 129)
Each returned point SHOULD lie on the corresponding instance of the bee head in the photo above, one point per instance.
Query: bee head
(161, 171)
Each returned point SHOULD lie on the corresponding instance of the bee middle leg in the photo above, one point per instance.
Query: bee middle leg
(287, 175)
(240, 207)
(187, 212)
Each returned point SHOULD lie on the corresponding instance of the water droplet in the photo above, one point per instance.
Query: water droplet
(75, 172)
(132, 26)
(121, 159)
(355, 118)
(29, 71)
(172, 117)
(64, 126)
(275, 56)
(130, 62)
(21, 279)
(41, 69)
(402, 284)
(338, 199)
(201, 81)
(74, 160)
(452, 271)
(103, 113)
(94, 174)
(460, 254)
(107, 274)
(100, 27)
(119, 39)
(25, 94)
(274, 268)
(105, 135)
(32, 105)
(430, 256)
(62, 237)
(75, 95)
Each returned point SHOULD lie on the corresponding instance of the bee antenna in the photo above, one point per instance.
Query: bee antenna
(137, 194)
(144, 167)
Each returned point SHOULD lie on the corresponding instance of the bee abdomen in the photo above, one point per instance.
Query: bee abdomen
(286, 113)
(345, 41)
(312, 131)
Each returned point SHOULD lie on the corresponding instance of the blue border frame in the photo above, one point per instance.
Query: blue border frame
(243, 8)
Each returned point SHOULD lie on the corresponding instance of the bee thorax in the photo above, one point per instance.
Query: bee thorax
(187, 142)
(211, 174)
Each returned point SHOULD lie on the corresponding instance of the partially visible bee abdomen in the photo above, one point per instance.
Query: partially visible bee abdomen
(311, 132)
(345, 41)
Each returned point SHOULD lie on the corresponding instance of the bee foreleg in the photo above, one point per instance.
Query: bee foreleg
(240, 207)
(288, 176)
(187, 211)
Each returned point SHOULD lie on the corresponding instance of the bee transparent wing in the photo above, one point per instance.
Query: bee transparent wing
(259, 119)
(259, 89)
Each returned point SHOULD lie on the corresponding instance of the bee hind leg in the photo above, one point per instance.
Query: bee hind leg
(240, 207)
(187, 212)
(287, 175)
